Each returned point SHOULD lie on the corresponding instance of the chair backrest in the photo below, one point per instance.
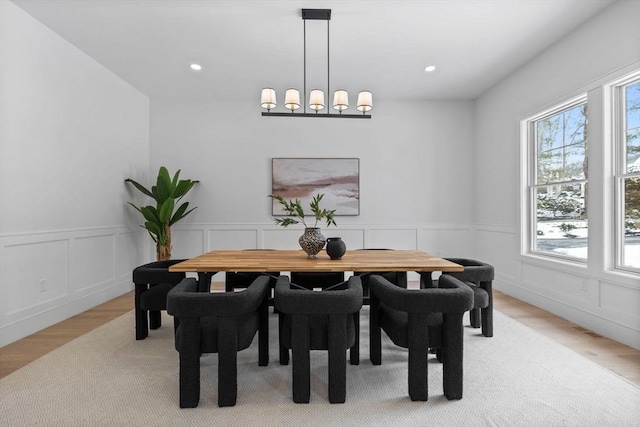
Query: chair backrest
(157, 272)
(310, 280)
(185, 301)
(452, 296)
(474, 271)
(242, 279)
(398, 278)
(291, 300)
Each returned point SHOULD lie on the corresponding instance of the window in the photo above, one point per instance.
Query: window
(627, 175)
(559, 189)
(558, 174)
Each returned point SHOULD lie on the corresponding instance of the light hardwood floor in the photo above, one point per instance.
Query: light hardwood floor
(618, 358)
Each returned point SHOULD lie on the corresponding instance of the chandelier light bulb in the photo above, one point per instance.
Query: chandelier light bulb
(365, 101)
(340, 100)
(316, 100)
(292, 99)
(268, 98)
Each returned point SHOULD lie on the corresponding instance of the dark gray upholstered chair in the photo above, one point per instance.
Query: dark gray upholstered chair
(318, 321)
(479, 277)
(240, 280)
(153, 282)
(324, 280)
(222, 323)
(398, 278)
(312, 280)
(419, 319)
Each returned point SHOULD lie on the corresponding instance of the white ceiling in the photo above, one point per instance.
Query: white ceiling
(380, 45)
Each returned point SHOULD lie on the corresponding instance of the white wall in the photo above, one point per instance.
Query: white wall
(435, 175)
(71, 132)
(415, 172)
(589, 295)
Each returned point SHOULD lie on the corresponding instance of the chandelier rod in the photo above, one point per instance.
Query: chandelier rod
(328, 100)
(304, 85)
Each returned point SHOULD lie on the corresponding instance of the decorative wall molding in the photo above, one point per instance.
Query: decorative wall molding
(618, 327)
(50, 276)
(618, 278)
(450, 239)
(606, 302)
(83, 268)
(407, 235)
(497, 228)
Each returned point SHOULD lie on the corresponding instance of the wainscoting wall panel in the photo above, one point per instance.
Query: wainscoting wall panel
(392, 238)
(355, 236)
(82, 268)
(457, 242)
(90, 273)
(621, 302)
(49, 277)
(498, 245)
(280, 238)
(34, 276)
(571, 288)
(130, 245)
(607, 303)
(233, 239)
(187, 243)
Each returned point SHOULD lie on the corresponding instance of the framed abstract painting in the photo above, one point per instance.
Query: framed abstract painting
(302, 178)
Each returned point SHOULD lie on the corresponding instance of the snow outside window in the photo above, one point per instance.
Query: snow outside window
(558, 181)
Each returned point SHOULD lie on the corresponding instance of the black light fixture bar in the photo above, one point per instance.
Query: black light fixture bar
(319, 14)
(334, 116)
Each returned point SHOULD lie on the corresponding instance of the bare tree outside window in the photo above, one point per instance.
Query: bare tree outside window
(557, 180)
(560, 184)
(629, 175)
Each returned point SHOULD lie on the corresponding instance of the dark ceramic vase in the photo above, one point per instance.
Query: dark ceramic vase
(335, 247)
(312, 241)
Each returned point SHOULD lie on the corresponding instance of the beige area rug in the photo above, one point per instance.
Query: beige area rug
(516, 378)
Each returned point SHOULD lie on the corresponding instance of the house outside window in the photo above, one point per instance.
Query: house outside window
(626, 99)
(558, 180)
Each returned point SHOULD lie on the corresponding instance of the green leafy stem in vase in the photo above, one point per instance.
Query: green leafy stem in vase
(296, 215)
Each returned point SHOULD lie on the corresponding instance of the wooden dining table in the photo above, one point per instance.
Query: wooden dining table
(273, 261)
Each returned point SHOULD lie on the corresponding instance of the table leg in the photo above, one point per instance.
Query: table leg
(204, 281)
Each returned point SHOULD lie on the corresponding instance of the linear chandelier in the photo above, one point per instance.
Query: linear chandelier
(316, 96)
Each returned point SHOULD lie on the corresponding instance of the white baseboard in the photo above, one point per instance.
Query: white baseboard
(601, 325)
(32, 324)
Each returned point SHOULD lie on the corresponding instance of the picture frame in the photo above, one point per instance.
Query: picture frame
(302, 178)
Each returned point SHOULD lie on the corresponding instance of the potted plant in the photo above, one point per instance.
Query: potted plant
(312, 241)
(159, 218)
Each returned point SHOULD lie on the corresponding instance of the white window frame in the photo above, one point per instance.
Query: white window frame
(618, 130)
(530, 143)
(603, 190)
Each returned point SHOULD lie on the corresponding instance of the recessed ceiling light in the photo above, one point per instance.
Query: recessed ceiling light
(430, 68)
(196, 67)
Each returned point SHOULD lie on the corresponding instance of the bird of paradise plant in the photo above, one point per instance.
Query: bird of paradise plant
(159, 218)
